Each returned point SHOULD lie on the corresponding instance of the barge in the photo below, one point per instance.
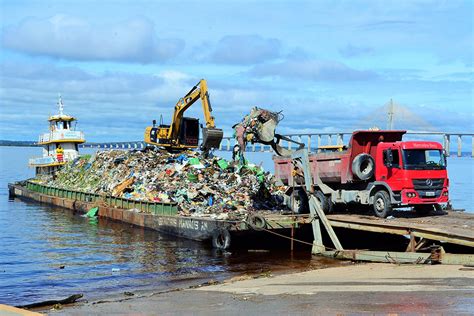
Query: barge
(161, 216)
(453, 228)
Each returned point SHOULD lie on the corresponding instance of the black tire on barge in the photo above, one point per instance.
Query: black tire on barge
(221, 239)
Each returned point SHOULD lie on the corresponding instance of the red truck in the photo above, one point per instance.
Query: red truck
(376, 169)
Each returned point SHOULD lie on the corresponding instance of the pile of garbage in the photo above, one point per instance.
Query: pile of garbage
(200, 186)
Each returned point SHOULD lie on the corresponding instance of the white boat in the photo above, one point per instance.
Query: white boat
(60, 144)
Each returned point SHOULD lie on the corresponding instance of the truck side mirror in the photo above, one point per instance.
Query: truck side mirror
(388, 158)
(154, 123)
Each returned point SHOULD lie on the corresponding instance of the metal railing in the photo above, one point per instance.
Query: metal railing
(36, 161)
(61, 135)
(314, 140)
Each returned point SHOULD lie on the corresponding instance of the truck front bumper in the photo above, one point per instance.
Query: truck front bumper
(411, 196)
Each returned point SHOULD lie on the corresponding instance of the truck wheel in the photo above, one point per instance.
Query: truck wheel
(299, 202)
(382, 204)
(325, 201)
(363, 166)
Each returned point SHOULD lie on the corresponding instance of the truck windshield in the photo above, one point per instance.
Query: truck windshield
(424, 159)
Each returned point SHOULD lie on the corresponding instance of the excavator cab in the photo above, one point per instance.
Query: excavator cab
(189, 131)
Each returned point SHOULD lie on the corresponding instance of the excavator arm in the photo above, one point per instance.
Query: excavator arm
(199, 91)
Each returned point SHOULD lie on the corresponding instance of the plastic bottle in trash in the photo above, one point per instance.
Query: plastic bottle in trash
(211, 201)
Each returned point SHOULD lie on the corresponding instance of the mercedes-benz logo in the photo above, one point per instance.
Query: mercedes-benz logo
(429, 182)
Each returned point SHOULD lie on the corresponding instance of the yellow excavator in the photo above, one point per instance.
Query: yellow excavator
(183, 133)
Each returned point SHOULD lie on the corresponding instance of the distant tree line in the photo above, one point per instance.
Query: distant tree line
(17, 143)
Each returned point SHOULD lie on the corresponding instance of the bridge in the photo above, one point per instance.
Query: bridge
(314, 140)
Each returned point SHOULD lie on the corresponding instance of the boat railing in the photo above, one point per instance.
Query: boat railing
(61, 135)
(42, 160)
(156, 208)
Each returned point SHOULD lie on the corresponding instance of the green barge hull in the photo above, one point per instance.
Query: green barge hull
(162, 217)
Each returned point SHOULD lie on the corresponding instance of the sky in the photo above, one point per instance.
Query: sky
(328, 65)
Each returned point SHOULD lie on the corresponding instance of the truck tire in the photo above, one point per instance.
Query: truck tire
(382, 204)
(325, 202)
(299, 202)
(363, 166)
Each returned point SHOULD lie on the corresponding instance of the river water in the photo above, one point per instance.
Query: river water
(50, 253)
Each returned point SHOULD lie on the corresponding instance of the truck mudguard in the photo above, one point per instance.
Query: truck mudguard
(377, 185)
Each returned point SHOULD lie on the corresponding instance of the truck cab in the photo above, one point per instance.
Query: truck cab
(415, 173)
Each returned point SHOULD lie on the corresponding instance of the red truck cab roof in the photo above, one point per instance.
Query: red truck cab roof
(420, 145)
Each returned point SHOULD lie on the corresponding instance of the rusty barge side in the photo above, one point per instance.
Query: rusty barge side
(162, 217)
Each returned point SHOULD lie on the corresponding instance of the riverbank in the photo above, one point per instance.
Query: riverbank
(360, 288)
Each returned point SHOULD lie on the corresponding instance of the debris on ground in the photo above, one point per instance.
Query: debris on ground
(200, 186)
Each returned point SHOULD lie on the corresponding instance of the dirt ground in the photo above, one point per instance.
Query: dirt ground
(362, 288)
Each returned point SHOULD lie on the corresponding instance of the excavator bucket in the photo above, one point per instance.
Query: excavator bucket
(259, 127)
(266, 133)
(211, 138)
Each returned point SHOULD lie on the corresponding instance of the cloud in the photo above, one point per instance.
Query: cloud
(355, 51)
(49, 77)
(122, 102)
(315, 70)
(118, 105)
(245, 49)
(33, 71)
(67, 37)
(382, 24)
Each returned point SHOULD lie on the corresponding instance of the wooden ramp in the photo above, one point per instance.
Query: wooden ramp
(452, 227)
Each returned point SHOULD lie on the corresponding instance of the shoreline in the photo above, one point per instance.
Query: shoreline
(344, 289)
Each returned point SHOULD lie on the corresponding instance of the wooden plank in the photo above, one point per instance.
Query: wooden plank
(440, 228)
(400, 257)
(380, 256)
(371, 228)
(450, 258)
(454, 223)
